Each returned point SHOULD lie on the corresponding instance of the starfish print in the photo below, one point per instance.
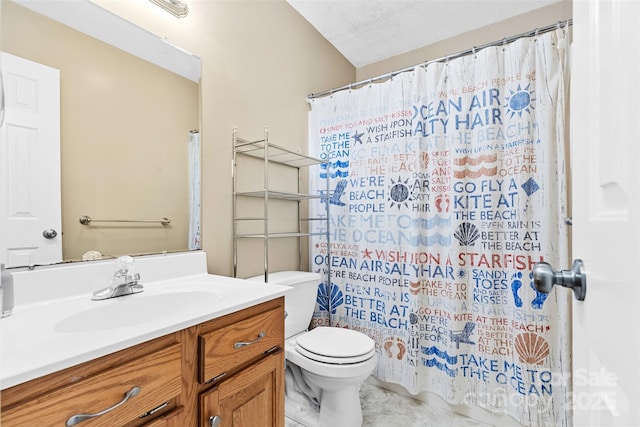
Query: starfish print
(357, 136)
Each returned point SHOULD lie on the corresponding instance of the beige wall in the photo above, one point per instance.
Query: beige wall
(538, 18)
(124, 126)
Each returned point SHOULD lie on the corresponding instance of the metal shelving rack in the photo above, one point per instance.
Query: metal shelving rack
(271, 153)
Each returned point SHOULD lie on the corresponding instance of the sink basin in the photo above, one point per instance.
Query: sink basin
(136, 309)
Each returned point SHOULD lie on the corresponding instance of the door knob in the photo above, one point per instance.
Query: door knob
(544, 278)
(215, 421)
(50, 233)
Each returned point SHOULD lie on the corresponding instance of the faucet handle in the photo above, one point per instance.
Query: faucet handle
(122, 266)
(132, 278)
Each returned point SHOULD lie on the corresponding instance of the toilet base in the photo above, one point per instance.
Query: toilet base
(341, 407)
(297, 406)
(337, 409)
(301, 412)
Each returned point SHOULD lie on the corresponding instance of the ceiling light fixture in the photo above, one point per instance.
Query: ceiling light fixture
(174, 7)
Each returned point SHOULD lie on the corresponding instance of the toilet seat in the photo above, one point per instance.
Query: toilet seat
(335, 346)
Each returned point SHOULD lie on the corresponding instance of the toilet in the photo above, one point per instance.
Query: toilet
(333, 361)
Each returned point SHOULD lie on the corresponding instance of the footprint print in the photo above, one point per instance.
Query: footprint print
(389, 344)
(439, 201)
(540, 298)
(516, 284)
(387, 347)
(402, 348)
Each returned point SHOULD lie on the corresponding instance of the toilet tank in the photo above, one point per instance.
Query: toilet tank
(299, 301)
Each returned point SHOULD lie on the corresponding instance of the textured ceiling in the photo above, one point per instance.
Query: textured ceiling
(367, 31)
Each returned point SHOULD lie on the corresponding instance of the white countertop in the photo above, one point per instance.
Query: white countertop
(48, 336)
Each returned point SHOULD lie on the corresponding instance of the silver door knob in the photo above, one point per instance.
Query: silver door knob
(50, 233)
(215, 421)
(544, 278)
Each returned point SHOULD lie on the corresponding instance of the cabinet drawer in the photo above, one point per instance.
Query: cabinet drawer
(226, 348)
(158, 376)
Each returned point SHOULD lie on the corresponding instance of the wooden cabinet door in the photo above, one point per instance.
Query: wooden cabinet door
(253, 397)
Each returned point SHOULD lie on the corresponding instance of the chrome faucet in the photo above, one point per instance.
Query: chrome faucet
(122, 282)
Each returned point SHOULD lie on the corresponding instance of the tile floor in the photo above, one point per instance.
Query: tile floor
(383, 408)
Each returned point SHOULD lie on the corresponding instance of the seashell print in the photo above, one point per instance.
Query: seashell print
(531, 348)
(329, 300)
(467, 234)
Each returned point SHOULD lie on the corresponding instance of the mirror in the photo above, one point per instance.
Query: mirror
(125, 124)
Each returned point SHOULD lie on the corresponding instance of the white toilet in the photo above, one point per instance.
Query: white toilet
(333, 361)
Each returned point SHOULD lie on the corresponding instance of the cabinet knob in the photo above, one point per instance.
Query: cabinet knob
(215, 421)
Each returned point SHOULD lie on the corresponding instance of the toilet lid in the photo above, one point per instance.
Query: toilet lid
(335, 345)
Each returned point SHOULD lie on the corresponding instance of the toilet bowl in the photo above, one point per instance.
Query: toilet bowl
(334, 370)
(333, 361)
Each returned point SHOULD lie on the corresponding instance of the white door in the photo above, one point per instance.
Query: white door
(605, 158)
(30, 164)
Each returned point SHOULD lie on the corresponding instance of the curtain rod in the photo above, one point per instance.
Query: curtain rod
(505, 40)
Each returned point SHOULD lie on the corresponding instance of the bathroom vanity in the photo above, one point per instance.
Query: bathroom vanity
(196, 350)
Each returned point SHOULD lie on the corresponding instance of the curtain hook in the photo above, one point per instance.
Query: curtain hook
(349, 87)
(370, 81)
(535, 34)
(504, 43)
(474, 52)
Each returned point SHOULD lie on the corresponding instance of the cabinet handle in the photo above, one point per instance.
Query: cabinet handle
(76, 419)
(241, 344)
(215, 421)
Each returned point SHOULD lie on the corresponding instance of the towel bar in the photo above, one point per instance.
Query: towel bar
(87, 220)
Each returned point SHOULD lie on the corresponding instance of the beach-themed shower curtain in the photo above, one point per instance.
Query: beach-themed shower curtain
(446, 185)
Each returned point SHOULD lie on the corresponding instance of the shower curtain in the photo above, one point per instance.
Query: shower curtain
(194, 191)
(446, 185)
